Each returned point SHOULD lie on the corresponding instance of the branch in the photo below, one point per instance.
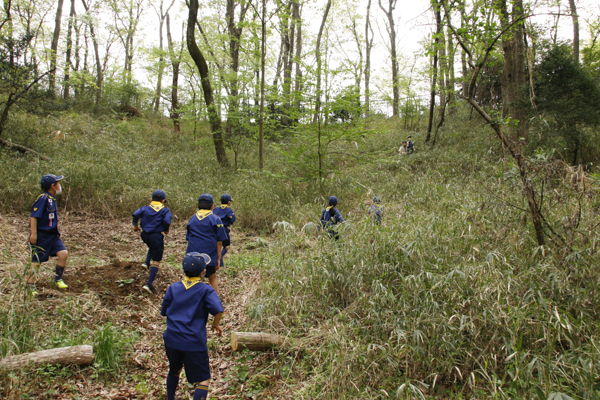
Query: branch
(22, 149)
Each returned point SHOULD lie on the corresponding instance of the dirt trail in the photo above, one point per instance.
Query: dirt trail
(105, 269)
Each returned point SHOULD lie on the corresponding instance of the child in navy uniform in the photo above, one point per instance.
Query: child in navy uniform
(331, 217)
(205, 234)
(186, 306)
(155, 219)
(376, 210)
(228, 217)
(44, 235)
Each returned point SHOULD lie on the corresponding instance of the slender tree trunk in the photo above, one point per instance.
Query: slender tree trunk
(54, 48)
(395, 78)
(369, 46)
(161, 61)
(68, 52)
(316, 117)
(436, 49)
(575, 18)
(261, 114)
(161, 65)
(235, 34)
(298, 78)
(175, 62)
(451, 76)
(200, 61)
(99, 78)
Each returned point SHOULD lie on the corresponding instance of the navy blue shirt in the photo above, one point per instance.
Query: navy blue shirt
(327, 220)
(226, 214)
(46, 212)
(377, 212)
(204, 230)
(186, 306)
(154, 217)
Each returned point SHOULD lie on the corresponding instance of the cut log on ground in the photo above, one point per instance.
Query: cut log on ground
(255, 341)
(78, 355)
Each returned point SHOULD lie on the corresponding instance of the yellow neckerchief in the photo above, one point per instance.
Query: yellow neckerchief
(201, 214)
(157, 206)
(49, 196)
(224, 206)
(189, 282)
(329, 208)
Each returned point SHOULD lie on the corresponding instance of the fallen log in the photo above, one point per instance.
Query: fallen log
(255, 341)
(78, 355)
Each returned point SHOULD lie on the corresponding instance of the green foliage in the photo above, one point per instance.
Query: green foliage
(567, 100)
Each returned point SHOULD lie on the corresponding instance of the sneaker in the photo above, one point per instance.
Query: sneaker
(61, 284)
(149, 288)
(32, 289)
(145, 266)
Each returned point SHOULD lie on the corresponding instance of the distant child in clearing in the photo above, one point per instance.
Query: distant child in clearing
(206, 234)
(403, 149)
(228, 217)
(186, 306)
(330, 217)
(154, 219)
(376, 210)
(44, 235)
(410, 148)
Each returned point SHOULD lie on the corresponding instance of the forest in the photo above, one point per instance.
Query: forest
(476, 279)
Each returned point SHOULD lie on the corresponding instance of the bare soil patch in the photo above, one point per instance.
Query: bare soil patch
(104, 272)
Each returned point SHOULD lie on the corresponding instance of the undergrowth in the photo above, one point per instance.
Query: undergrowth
(449, 298)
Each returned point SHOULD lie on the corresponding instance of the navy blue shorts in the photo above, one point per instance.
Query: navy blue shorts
(47, 245)
(210, 269)
(196, 363)
(156, 244)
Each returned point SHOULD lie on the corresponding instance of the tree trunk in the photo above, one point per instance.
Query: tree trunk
(319, 64)
(54, 48)
(200, 61)
(369, 46)
(261, 114)
(255, 341)
(68, 53)
(175, 62)
(74, 355)
(436, 49)
(395, 78)
(298, 78)
(575, 18)
(99, 78)
(235, 34)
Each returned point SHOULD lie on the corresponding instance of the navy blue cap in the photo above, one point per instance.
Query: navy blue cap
(48, 180)
(226, 199)
(376, 199)
(333, 201)
(159, 195)
(206, 198)
(195, 263)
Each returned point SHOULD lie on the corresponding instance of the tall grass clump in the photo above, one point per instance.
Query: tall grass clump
(111, 346)
(451, 296)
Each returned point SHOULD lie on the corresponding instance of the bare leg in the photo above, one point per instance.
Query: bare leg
(214, 282)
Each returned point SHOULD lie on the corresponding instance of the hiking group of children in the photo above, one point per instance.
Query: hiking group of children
(187, 303)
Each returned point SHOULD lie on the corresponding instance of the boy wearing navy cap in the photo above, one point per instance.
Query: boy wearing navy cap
(44, 236)
(331, 217)
(205, 234)
(186, 306)
(155, 219)
(228, 217)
